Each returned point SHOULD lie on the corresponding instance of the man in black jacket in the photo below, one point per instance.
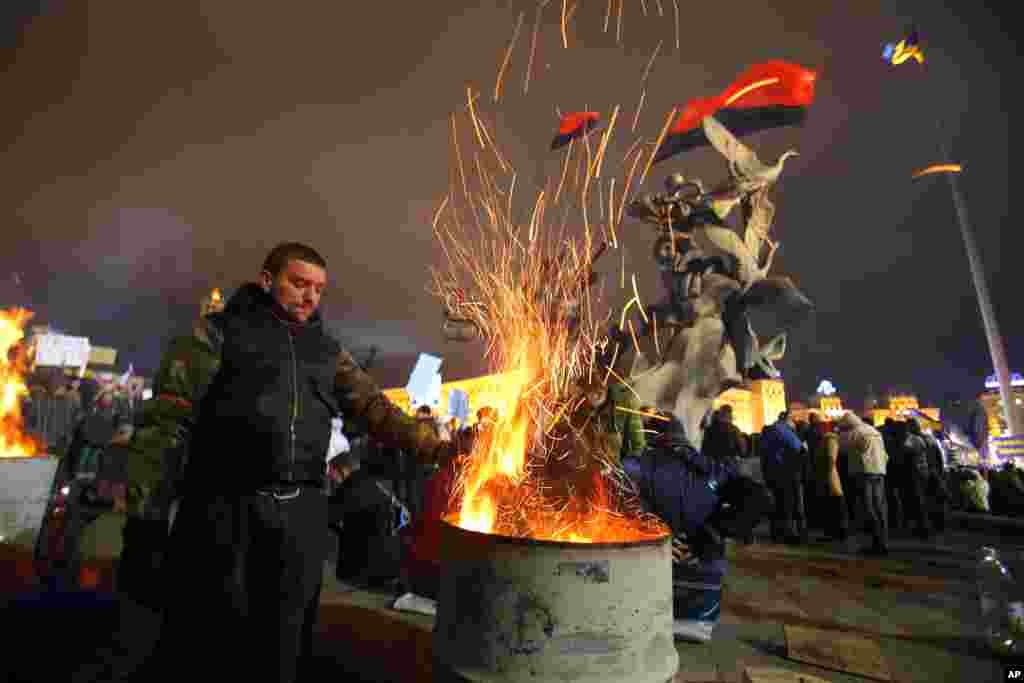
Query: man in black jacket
(247, 548)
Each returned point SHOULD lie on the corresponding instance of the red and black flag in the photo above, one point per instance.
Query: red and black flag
(574, 125)
(767, 95)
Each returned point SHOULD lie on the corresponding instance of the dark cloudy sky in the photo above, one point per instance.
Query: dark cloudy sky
(154, 150)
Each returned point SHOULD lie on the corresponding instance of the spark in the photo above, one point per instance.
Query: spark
(437, 214)
(675, 5)
(625, 311)
(618, 29)
(636, 293)
(508, 55)
(650, 63)
(657, 145)
(632, 333)
(472, 115)
(599, 159)
(640, 106)
(494, 147)
(625, 188)
(654, 322)
(565, 169)
(533, 46)
(626, 384)
(458, 155)
(643, 413)
(565, 38)
(611, 213)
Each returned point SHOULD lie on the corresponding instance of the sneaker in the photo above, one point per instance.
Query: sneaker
(692, 630)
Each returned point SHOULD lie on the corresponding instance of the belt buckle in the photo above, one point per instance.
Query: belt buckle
(282, 496)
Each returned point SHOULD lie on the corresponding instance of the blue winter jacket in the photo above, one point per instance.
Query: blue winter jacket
(677, 483)
(779, 446)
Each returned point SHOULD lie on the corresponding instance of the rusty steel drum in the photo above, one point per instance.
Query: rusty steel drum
(519, 609)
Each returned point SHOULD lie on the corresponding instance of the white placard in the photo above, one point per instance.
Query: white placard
(58, 350)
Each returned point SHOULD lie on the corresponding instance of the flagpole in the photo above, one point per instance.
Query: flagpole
(996, 348)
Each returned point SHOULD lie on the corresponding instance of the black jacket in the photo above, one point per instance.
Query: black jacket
(266, 417)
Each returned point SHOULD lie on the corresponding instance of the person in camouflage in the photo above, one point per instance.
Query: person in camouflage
(247, 547)
(156, 455)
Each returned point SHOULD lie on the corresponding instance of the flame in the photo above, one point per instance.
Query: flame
(215, 295)
(546, 468)
(14, 364)
(543, 468)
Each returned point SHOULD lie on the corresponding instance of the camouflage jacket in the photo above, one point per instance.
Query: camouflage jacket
(186, 373)
(157, 452)
(627, 428)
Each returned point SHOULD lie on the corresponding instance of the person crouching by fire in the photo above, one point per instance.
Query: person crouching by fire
(703, 500)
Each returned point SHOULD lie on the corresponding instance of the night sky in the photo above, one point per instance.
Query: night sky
(156, 150)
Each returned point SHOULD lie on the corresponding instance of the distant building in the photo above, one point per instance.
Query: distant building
(991, 414)
(826, 403)
(901, 405)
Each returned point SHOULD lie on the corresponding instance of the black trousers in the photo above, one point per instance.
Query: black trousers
(837, 517)
(246, 570)
(790, 517)
(915, 499)
(894, 495)
(872, 497)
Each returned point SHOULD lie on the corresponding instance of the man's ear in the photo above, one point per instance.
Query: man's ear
(266, 280)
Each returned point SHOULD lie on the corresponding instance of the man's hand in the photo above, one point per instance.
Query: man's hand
(680, 551)
(445, 452)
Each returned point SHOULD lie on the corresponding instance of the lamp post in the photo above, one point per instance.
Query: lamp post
(988, 317)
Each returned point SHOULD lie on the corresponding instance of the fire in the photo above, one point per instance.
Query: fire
(14, 363)
(547, 468)
(544, 469)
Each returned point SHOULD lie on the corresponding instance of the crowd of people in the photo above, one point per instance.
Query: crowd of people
(240, 468)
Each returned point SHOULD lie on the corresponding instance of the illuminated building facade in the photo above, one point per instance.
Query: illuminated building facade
(991, 404)
(828, 405)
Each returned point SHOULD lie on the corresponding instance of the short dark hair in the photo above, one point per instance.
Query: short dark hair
(280, 255)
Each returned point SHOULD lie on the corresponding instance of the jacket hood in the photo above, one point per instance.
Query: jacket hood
(849, 421)
(251, 296)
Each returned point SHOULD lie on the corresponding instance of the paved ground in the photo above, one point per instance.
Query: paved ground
(918, 604)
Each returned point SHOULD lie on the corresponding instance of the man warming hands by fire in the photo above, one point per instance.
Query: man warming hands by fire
(247, 547)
